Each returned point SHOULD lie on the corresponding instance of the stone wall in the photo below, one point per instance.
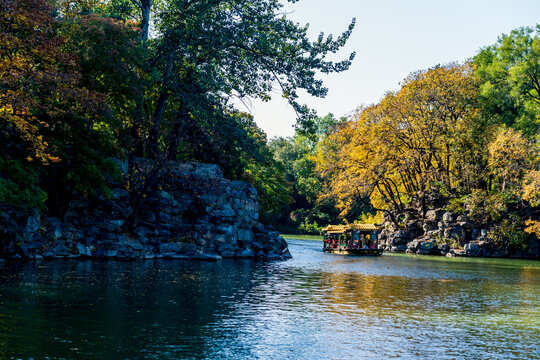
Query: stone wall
(190, 212)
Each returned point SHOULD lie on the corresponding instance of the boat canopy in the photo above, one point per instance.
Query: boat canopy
(339, 229)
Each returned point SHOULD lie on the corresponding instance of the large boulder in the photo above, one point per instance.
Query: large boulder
(398, 248)
(415, 228)
(429, 225)
(423, 246)
(448, 218)
(434, 215)
(169, 248)
(472, 249)
(456, 233)
(399, 237)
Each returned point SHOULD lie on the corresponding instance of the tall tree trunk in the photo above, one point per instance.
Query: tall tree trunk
(155, 121)
(145, 7)
(153, 133)
(174, 139)
(145, 19)
(137, 148)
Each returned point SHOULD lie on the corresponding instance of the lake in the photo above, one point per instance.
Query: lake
(314, 306)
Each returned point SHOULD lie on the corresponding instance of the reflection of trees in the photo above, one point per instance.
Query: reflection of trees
(350, 292)
(376, 295)
(111, 309)
(529, 292)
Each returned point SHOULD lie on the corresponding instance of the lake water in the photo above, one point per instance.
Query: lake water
(314, 306)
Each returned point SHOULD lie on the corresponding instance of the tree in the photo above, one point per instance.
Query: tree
(531, 194)
(203, 54)
(398, 151)
(510, 75)
(531, 188)
(508, 157)
(207, 52)
(296, 154)
(112, 63)
(50, 123)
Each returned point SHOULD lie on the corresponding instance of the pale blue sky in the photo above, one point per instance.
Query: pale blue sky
(392, 39)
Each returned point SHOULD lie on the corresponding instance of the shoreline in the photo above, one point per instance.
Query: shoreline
(400, 253)
(302, 237)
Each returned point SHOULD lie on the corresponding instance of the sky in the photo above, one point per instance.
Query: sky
(392, 38)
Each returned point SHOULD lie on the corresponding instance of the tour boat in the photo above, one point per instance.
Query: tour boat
(354, 239)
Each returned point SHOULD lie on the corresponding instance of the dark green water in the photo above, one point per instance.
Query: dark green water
(315, 306)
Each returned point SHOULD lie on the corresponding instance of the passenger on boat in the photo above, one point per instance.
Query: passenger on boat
(326, 241)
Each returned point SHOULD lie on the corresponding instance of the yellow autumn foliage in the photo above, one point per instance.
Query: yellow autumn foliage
(396, 151)
(531, 188)
(508, 155)
(533, 227)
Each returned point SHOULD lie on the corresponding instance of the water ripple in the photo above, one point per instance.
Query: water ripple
(315, 306)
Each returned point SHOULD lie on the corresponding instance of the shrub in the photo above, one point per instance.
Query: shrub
(310, 228)
(510, 233)
(457, 205)
(485, 208)
(19, 184)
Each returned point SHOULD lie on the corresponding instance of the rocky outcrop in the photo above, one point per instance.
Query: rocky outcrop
(190, 212)
(440, 232)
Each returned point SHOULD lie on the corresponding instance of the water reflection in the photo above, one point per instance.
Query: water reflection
(315, 306)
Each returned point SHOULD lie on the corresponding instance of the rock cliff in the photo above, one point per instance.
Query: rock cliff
(186, 211)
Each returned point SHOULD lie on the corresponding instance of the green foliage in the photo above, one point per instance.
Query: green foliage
(510, 74)
(118, 9)
(98, 88)
(484, 207)
(509, 232)
(19, 184)
(319, 127)
(206, 53)
(457, 205)
(248, 47)
(310, 228)
(111, 62)
(296, 156)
